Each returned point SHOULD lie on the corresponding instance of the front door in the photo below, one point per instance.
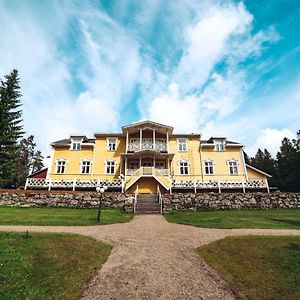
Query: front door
(147, 163)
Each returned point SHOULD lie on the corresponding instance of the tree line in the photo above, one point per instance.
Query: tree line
(18, 154)
(284, 168)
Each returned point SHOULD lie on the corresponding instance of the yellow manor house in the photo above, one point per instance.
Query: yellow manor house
(149, 158)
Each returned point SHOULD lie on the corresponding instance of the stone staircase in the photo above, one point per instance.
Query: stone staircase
(147, 204)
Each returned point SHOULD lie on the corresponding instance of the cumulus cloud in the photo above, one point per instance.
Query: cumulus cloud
(206, 42)
(270, 139)
(170, 109)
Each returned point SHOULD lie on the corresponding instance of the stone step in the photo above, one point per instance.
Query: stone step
(147, 212)
(151, 206)
(147, 201)
(146, 196)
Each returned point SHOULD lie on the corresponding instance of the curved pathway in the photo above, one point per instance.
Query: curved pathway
(154, 259)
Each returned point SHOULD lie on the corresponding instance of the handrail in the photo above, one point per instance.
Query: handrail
(135, 198)
(160, 200)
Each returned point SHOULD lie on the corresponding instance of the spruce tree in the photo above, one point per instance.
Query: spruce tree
(11, 128)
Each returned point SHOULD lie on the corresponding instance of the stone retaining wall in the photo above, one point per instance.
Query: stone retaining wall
(182, 201)
(65, 199)
(226, 201)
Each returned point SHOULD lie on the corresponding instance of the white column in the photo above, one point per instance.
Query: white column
(167, 141)
(219, 186)
(154, 140)
(267, 184)
(26, 184)
(243, 186)
(140, 161)
(154, 161)
(127, 141)
(74, 184)
(125, 167)
(141, 138)
(50, 184)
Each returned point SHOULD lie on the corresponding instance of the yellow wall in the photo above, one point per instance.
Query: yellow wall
(252, 174)
(101, 155)
(146, 185)
(194, 155)
(73, 162)
(220, 158)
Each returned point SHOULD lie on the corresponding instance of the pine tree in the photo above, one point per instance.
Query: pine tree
(264, 161)
(10, 128)
(37, 163)
(30, 160)
(288, 161)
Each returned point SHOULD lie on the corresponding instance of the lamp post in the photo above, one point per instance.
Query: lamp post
(101, 190)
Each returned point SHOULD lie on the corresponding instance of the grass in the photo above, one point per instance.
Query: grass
(257, 267)
(47, 266)
(61, 216)
(272, 218)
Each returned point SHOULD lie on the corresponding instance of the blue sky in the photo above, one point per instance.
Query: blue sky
(214, 67)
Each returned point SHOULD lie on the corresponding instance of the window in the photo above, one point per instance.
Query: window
(219, 145)
(182, 145)
(111, 144)
(60, 167)
(76, 145)
(233, 169)
(160, 165)
(183, 168)
(134, 165)
(209, 167)
(110, 167)
(85, 167)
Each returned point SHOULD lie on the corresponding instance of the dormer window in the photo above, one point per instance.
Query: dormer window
(111, 144)
(182, 145)
(219, 145)
(76, 145)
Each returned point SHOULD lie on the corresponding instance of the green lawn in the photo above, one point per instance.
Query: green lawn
(61, 216)
(47, 266)
(272, 218)
(257, 267)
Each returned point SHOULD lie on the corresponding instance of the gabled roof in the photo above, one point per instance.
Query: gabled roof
(210, 142)
(38, 172)
(145, 123)
(67, 142)
(259, 171)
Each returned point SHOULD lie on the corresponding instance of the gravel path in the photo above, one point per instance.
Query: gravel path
(154, 259)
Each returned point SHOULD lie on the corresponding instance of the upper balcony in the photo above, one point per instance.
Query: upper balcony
(147, 145)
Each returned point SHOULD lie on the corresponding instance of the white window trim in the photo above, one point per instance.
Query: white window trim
(115, 166)
(179, 142)
(79, 141)
(237, 166)
(81, 163)
(213, 167)
(218, 142)
(56, 165)
(188, 166)
(107, 143)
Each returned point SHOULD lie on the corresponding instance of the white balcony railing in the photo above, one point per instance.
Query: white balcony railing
(147, 146)
(164, 172)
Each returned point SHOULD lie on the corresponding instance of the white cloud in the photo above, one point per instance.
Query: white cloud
(206, 42)
(270, 139)
(180, 113)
